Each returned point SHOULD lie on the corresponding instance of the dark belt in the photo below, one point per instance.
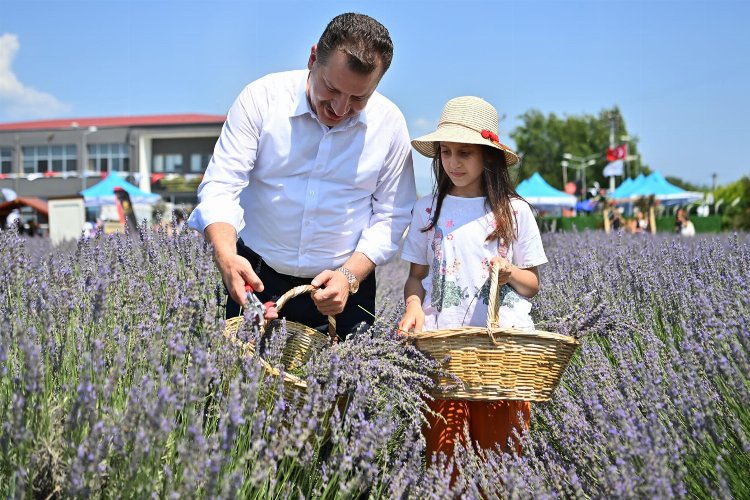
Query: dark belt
(257, 263)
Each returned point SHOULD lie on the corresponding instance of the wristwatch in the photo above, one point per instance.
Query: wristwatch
(353, 282)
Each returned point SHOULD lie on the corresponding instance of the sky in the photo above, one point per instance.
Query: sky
(678, 70)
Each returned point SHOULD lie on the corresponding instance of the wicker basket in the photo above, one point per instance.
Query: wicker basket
(497, 364)
(303, 341)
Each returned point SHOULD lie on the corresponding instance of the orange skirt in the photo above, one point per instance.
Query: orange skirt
(491, 423)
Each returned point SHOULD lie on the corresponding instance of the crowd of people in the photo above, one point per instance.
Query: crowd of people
(640, 223)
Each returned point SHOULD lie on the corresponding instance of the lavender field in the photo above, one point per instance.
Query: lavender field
(116, 381)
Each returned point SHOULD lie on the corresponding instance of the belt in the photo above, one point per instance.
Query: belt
(259, 265)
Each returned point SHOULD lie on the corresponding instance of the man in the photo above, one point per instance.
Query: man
(313, 173)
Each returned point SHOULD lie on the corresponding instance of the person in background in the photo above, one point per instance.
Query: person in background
(474, 220)
(616, 220)
(640, 223)
(33, 228)
(179, 220)
(678, 217)
(311, 181)
(686, 227)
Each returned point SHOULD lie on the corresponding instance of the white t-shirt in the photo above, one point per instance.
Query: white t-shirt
(457, 284)
(688, 229)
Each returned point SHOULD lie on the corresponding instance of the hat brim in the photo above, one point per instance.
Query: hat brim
(425, 144)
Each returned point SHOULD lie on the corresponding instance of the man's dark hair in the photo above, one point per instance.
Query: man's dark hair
(359, 36)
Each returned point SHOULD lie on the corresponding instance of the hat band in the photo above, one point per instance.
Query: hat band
(486, 134)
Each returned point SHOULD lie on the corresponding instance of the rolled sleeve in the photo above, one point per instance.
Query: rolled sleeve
(392, 202)
(228, 171)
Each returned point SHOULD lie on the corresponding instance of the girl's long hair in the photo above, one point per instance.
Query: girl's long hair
(496, 184)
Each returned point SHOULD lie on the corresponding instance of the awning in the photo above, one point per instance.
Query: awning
(37, 204)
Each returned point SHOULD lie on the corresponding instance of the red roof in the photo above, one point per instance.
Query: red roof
(116, 121)
(37, 204)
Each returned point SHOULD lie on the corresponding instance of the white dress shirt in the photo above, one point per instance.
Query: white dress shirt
(301, 195)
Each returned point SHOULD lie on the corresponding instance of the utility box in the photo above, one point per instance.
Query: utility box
(67, 219)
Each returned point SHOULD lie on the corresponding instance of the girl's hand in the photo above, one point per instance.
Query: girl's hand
(413, 318)
(505, 269)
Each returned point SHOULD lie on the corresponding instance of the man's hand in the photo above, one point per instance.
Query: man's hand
(236, 271)
(332, 293)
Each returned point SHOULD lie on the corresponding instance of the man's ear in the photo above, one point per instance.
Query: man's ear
(313, 57)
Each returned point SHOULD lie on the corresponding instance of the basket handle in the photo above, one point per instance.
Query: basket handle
(493, 309)
(301, 290)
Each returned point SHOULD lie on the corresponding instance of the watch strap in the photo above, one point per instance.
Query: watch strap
(350, 278)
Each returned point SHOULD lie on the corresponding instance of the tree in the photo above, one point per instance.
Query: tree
(542, 140)
(736, 204)
(687, 186)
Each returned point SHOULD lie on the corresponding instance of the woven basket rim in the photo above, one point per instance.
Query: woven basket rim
(503, 332)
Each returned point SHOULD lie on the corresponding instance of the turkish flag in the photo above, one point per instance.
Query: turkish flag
(617, 153)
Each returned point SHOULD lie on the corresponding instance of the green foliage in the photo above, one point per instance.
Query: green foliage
(735, 216)
(687, 186)
(594, 222)
(542, 140)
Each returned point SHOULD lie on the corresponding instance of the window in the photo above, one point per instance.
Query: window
(167, 163)
(108, 157)
(6, 160)
(199, 162)
(41, 159)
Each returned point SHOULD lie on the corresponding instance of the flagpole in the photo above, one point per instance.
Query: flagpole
(612, 145)
(626, 140)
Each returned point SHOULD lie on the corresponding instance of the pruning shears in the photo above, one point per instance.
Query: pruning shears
(254, 303)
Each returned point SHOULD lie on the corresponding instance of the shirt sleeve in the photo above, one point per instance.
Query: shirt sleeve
(416, 242)
(528, 250)
(392, 200)
(228, 171)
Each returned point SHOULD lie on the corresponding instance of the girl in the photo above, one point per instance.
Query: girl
(475, 219)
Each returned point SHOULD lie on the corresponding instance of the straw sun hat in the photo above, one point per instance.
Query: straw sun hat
(469, 120)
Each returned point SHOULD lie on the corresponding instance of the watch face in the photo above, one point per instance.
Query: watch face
(353, 287)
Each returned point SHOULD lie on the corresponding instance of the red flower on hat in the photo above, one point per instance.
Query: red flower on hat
(490, 135)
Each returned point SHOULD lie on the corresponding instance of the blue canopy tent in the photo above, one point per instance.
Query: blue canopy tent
(543, 196)
(103, 193)
(668, 194)
(623, 190)
(624, 187)
(522, 185)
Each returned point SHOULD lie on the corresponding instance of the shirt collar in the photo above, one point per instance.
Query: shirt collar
(302, 106)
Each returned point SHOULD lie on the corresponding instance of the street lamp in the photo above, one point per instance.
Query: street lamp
(85, 155)
(579, 164)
